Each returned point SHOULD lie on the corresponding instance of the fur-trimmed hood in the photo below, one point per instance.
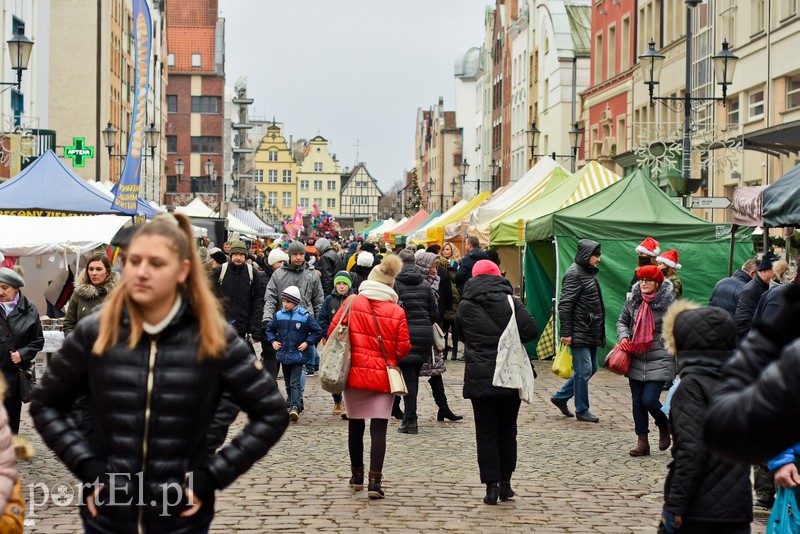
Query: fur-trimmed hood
(662, 299)
(88, 291)
(698, 334)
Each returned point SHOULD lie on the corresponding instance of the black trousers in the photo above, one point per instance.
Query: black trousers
(437, 390)
(695, 527)
(450, 326)
(496, 436)
(13, 406)
(411, 376)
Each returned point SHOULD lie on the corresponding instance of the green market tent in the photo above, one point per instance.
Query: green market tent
(619, 218)
(781, 201)
(369, 228)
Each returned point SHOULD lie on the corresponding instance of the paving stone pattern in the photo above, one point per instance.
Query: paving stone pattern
(571, 477)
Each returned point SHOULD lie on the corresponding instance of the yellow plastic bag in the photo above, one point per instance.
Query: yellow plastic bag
(562, 363)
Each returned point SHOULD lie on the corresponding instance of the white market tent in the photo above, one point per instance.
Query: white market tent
(377, 234)
(198, 208)
(420, 235)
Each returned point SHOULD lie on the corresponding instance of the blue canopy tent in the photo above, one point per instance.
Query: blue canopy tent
(48, 188)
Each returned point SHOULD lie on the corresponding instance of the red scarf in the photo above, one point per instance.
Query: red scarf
(644, 327)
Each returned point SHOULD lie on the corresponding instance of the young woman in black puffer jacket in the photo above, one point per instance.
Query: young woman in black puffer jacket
(482, 318)
(153, 363)
(416, 298)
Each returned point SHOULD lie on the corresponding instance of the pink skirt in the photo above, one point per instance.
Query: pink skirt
(366, 404)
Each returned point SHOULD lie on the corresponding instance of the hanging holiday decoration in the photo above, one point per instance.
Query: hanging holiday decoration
(414, 203)
(323, 224)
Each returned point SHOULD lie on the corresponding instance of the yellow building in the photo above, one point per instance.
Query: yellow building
(275, 172)
(318, 177)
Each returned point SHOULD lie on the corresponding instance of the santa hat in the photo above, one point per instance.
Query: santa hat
(649, 246)
(670, 258)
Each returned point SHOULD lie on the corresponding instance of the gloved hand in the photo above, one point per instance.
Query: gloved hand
(670, 522)
(625, 344)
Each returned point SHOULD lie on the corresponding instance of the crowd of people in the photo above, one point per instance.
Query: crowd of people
(209, 332)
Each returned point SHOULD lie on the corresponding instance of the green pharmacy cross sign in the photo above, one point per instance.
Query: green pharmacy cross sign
(79, 152)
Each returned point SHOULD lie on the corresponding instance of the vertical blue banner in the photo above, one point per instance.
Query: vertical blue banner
(127, 195)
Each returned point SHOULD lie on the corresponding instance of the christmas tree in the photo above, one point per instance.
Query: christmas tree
(414, 196)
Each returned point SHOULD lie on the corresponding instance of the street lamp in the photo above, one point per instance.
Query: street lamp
(495, 172)
(575, 137)
(152, 135)
(19, 50)
(477, 181)
(724, 66)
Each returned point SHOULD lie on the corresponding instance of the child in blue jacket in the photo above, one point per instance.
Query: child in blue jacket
(291, 332)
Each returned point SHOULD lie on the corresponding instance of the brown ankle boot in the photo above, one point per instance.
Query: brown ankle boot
(642, 446)
(664, 440)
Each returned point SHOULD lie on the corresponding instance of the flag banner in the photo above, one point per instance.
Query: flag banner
(127, 195)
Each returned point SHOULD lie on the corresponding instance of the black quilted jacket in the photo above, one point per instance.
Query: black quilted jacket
(483, 315)
(416, 298)
(748, 301)
(700, 485)
(152, 407)
(581, 311)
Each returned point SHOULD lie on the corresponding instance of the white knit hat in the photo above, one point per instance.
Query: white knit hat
(365, 259)
(292, 294)
(276, 255)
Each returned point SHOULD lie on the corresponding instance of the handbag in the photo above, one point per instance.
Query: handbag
(562, 363)
(439, 340)
(618, 361)
(335, 356)
(785, 517)
(27, 377)
(397, 384)
(512, 368)
(546, 346)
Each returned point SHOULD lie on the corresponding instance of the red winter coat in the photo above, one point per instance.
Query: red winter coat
(368, 368)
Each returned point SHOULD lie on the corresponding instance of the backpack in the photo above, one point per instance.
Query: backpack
(225, 270)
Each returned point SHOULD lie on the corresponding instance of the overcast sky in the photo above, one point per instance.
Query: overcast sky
(350, 69)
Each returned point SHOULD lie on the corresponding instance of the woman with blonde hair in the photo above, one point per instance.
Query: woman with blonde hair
(449, 258)
(154, 363)
(91, 288)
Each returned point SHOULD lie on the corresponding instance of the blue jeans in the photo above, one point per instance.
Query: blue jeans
(293, 377)
(584, 366)
(646, 397)
(312, 359)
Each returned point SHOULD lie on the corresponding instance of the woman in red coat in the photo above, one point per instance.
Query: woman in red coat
(367, 395)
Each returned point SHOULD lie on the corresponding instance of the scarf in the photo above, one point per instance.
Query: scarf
(377, 291)
(11, 304)
(644, 327)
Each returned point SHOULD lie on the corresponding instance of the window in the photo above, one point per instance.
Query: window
(757, 17)
(359, 201)
(788, 9)
(287, 199)
(172, 184)
(612, 51)
(205, 104)
(793, 92)
(733, 110)
(318, 167)
(331, 185)
(273, 155)
(170, 60)
(318, 202)
(172, 144)
(259, 176)
(197, 60)
(331, 203)
(625, 55)
(272, 199)
(317, 185)
(287, 176)
(755, 104)
(206, 144)
(172, 103)
(598, 59)
(304, 203)
(304, 185)
(272, 176)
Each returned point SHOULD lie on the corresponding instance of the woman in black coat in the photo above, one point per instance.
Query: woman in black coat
(21, 338)
(154, 363)
(416, 298)
(482, 317)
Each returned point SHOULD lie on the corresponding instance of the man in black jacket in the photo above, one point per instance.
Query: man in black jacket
(751, 294)
(581, 314)
(474, 254)
(239, 289)
(328, 265)
(728, 290)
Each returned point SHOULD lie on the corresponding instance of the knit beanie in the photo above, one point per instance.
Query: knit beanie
(343, 276)
(276, 255)
(368, 247)
(292, 294)
(387, 270)
(365, 259)
(237, 247)
(296, 247)
(219, 256)
(485, 267)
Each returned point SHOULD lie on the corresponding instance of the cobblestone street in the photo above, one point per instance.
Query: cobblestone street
(571, 477)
